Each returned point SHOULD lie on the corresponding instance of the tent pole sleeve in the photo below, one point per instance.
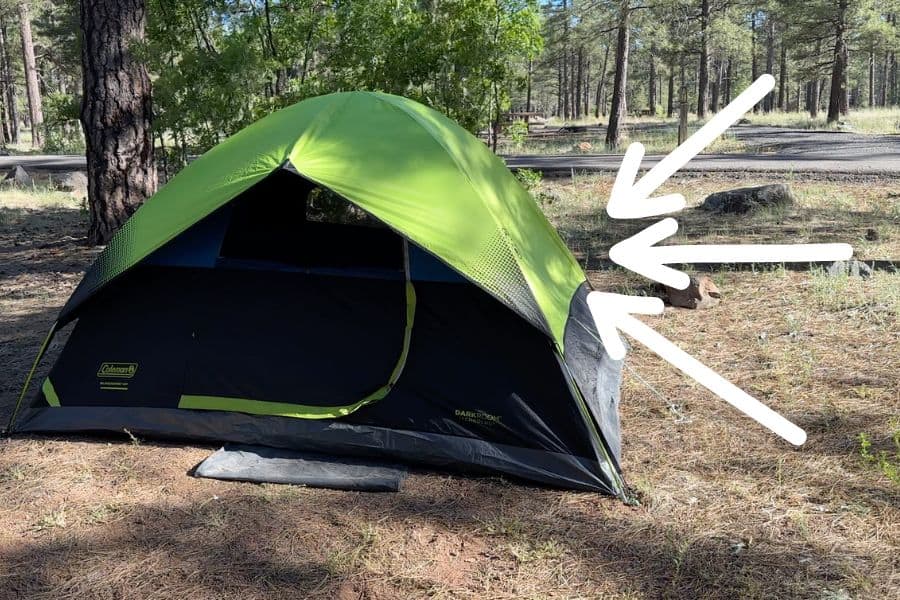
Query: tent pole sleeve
(37, 360)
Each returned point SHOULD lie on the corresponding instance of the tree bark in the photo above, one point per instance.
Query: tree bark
(754, 64)
(769, 102)
(36, 112)
(717, 87)
(670, 102)
(885, 78)
(579, 76)
(528, 87)
(115, 114)
(651, 93)
(600, 105)
(783, 93)
(9, 96)
(729, 78)
(703, 76)
(838, 97)
(617, 111)
(871, 79)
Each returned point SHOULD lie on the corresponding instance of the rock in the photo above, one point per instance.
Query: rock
(702, 293)
(21, 177)
(584, 147)
(852, 268)
(750, 200)
(744, 121)
(872, 235)
(75, 182)
(573, 129)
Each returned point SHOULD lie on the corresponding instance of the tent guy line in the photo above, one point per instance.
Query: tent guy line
(612, 313)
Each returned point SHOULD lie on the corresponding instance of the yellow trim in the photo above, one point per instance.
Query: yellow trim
(50, 393)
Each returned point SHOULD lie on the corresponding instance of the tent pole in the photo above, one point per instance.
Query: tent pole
(37, 359)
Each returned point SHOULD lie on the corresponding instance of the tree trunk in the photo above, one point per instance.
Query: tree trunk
(36, 112)
(528, 87)
(565, 83)
(578, 79)
(11, 122)
(670, 102)
(871, 79)
(115, 114)
(651, 93)
(729, 77)
(885, 77)
(599, 105)
(703, 76)
(769, 102)
(838, 97)
(559, 88)
(754, 64)
(617, 111)
(716, 87)
(783, 92)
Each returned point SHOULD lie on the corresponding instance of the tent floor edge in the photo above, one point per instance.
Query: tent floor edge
(464, 455)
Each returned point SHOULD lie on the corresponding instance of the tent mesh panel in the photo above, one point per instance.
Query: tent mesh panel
(496, 269)
(108, 265)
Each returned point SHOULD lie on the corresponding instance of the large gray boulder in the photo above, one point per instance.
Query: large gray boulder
(74, 182)
(773, 197)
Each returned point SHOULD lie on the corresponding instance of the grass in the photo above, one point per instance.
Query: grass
(726, 510)
(660, 134)
(868, 120)
(865, 214)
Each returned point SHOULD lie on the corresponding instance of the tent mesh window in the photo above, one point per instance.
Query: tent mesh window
(317, 230)
(497, 270)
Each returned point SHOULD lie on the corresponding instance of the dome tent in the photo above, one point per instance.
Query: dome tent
(437, 318)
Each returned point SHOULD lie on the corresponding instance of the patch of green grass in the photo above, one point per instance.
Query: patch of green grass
(877, 295)
(886, 461)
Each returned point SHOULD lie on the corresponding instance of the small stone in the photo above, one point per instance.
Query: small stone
(750, 199)
(852, 268)
(702, 293)
(872, 235)
(584, 147)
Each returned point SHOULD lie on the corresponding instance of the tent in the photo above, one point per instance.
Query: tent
(355, 275)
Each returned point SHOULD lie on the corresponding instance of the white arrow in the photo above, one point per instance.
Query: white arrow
(611, 312)
(639, 254)
(630, 200)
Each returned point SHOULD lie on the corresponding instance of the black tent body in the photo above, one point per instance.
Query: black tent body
(288, 317)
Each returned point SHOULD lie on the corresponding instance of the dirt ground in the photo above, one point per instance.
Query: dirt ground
(726, 510)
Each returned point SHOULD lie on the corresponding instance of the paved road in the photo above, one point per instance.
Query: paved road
(776, 149)
(880, 164)
(772, 149)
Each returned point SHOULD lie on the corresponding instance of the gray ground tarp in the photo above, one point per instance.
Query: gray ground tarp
(260, 464)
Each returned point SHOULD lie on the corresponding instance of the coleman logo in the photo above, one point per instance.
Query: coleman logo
(117, 370)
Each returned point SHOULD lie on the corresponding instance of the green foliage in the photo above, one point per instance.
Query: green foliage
(529, 179)
(221, 64)
(62, 130)
(517, 132)
(888, 462)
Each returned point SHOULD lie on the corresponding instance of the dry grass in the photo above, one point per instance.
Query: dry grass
(727, 510)
(826, 211)
(868, 120)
